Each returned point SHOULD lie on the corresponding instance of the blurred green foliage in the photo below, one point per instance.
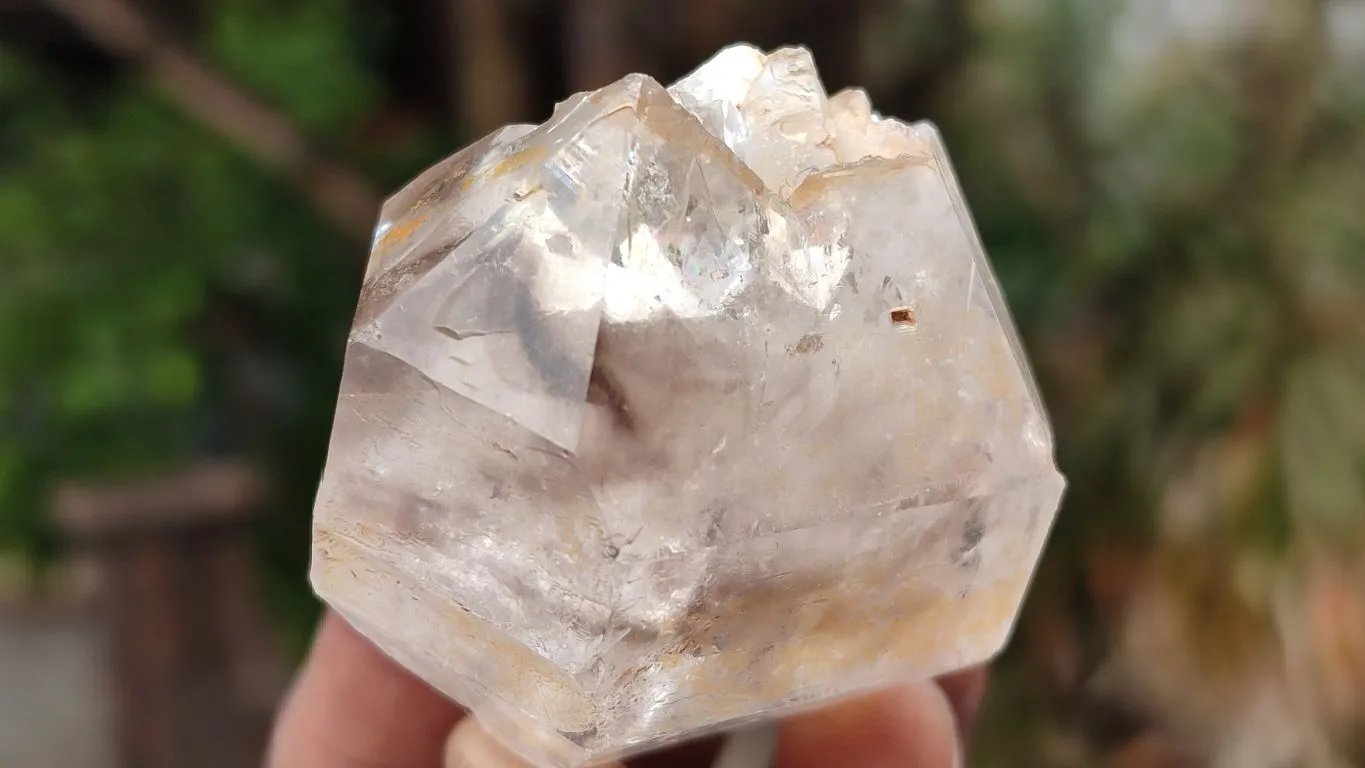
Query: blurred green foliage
(122, 224)
(306, 57)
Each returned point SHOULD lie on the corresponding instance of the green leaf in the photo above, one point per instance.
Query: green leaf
(170, 377)
(87, 387)
(1323, 446)
(170, 296)
(299, 55)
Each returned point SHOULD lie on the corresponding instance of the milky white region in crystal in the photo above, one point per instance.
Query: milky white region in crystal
(688, 407)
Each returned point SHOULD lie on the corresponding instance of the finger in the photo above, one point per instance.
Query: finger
(353, 707)
(965, 690)
(907, 727)
(470, 746)
(690, 754)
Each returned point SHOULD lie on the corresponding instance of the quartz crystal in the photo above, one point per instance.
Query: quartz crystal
(692, 406)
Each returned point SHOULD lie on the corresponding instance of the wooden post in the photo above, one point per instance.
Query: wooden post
(186, 644)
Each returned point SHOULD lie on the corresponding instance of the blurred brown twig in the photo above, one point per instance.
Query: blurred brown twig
(490, 80)
(340, 193)
(596, 42)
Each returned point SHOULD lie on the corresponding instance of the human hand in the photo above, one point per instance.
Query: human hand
(352, 707)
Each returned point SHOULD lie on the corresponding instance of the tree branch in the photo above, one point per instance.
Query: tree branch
(595, 42)
(706, 25)
(490, 79)
(340, 193)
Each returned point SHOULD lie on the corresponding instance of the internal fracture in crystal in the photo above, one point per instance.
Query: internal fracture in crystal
(688, 407)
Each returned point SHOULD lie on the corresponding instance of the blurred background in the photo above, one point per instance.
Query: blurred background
(1172, 191)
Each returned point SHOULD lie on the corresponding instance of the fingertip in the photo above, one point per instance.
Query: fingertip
(910, 726)
(353, 706)
(966, 690)
(471, 746)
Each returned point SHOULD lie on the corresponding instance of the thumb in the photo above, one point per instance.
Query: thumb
(471, 746)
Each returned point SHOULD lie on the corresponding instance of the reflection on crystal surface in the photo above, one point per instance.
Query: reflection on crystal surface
(688, 407)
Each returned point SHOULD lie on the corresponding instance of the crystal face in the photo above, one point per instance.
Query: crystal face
(690, 406)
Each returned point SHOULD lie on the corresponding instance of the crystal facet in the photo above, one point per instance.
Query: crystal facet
(688, 407)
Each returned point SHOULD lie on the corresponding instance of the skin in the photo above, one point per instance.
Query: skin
(351, 707)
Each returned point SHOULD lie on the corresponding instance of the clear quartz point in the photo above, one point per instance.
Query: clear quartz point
(688, 408)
